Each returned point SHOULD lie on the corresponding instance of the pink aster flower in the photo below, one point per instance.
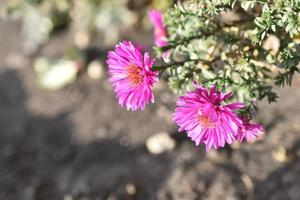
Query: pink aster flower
(205, 120)
(249, 131)
(131, 75)
(160, 29)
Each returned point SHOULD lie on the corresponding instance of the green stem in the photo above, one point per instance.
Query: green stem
(184, 41)
(167, 65)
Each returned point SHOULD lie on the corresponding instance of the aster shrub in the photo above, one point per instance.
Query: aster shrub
(223, 56)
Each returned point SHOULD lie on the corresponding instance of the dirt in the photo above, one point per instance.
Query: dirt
(77, 143)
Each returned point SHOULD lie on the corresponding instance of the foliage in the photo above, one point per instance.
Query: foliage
(238, 44)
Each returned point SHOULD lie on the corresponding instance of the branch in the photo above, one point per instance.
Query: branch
(167, 65)
(173, 44)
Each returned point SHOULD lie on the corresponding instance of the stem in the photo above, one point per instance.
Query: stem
(167, 65)
(184, 41)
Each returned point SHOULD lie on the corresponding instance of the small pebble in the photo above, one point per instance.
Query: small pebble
(95, 70)
(130, 189)
(281, 155)
(159, 143)
(82, 39)
(68, 197)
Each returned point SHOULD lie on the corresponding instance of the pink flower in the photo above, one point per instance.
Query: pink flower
(131, 75)
(201, 114)
(249, 131)
(160, 29)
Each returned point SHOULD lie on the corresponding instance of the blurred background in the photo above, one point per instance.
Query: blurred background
(64, 136)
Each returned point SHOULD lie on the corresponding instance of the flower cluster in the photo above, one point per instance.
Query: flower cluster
(202, 113)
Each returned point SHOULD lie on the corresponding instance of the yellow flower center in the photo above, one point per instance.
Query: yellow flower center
(134, 75)
(206, 122)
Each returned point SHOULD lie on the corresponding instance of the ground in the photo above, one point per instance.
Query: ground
(77, 143)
